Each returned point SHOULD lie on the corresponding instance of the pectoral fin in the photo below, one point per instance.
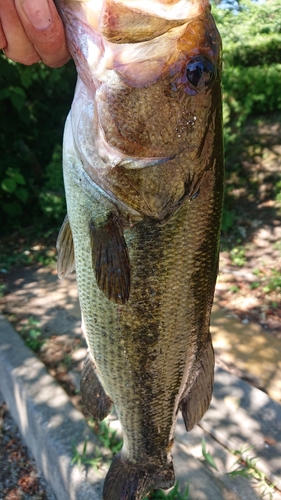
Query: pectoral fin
(197, 399)
(111, 260)
(65, 248)
(95, 400)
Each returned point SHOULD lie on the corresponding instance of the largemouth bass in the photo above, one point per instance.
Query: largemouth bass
(143, 173)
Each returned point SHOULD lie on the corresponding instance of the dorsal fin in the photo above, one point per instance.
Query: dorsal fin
(121, 24)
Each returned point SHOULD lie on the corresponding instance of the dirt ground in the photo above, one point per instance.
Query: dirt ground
(19, 477)
(249, 281)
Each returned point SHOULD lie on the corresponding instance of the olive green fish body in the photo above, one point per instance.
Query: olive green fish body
(143, 176)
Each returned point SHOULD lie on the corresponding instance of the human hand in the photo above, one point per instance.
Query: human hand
(32, 30)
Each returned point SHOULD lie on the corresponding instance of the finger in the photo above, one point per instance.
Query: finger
(17, 45)
(44, 29)
(3, 41)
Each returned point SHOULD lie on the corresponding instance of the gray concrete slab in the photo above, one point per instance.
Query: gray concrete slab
(242, 417)
(48, 422)
(203, 483)
(220, 479)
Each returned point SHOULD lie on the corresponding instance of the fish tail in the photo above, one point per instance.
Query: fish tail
(128, 481)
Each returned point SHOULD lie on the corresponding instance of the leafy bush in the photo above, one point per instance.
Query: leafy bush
(51, 199)
(251, 36)
(256, 89)
(251, 80)
(34, 102)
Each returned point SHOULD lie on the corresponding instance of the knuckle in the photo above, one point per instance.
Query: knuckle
(24, 58)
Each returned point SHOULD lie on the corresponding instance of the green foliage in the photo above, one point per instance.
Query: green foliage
(13, 183)
(251, 36)
(82, 458)
(256, 89)
(3, 288)
(260, 50)
(251, 80)
(32, 334)
(278, 192)
(109, 438)
(246, 466)
(208, 457)
(251, 19)
(274, 282)
(228, 218)
(52, 199)
(173, 494)
(237, 256)
(34, 102)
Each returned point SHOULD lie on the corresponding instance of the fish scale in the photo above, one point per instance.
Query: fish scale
(143, 174)
(118, 332)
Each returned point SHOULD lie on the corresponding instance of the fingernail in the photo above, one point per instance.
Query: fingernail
(38, 12)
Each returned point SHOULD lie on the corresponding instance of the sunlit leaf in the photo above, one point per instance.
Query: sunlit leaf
(22, 194)
(9, 185)
(208, 457)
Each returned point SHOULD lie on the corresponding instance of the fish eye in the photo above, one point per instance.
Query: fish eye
(200, 72)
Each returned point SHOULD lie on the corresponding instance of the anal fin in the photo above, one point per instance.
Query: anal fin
(94, 398)
(65, 248)
(111, 260)
(197, 399)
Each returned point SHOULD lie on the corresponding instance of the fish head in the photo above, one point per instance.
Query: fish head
(151, 69)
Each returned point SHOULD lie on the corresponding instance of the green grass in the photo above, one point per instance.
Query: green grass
(237, 255)
(173, 494)
(109, 437)
(31, 334)
(82, 458)
(246, 466)
(274, 282)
